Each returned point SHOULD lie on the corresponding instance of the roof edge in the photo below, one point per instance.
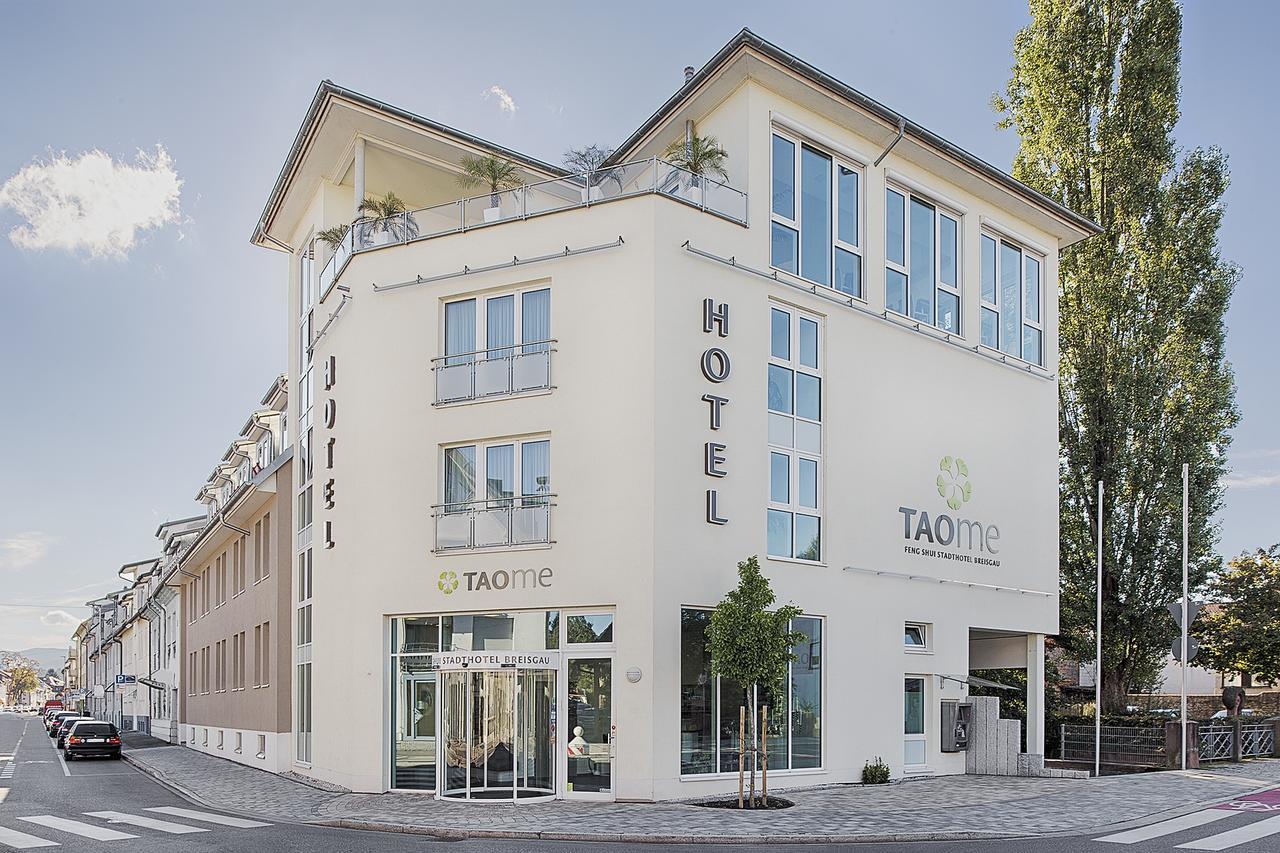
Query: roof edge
(748, 39)
(328, 89)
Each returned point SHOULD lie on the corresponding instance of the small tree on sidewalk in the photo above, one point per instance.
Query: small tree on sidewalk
(752, 645)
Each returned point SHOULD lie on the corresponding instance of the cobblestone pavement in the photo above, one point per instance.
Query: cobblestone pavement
(944, 807)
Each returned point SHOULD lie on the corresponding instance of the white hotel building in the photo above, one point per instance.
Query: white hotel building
(538, 429)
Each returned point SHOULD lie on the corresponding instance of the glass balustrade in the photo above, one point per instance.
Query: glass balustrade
(498, 372)
(584, 189)
(494, 523)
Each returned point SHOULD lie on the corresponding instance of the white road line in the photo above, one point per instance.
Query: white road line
(1168, 827)
(22, 841)
(208, 817)
(147, 822)
(1240, 835)
(66, 771)
(75, 827)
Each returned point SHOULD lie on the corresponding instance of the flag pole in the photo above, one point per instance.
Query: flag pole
(1186, 616)
(1097, 666)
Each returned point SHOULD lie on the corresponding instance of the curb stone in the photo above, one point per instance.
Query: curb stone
(452, 834)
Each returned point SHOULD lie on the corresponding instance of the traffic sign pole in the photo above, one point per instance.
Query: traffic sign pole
(1097, 673)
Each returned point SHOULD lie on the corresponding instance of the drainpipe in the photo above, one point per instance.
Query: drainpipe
(902, 129)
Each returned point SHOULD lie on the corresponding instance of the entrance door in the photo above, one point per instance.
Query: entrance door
(589, 748)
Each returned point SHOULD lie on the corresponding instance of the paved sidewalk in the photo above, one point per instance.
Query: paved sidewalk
(944, 807)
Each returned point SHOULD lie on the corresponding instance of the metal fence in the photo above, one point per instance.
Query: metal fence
(1257, 740)
(1126, 745)
(1216, 743)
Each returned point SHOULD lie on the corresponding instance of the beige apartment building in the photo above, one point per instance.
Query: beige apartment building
(235, 599)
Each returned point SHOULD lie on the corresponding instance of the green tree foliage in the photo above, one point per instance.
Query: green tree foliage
(752, 644)
(1243, 635)
(24, 681)
(1143, 381)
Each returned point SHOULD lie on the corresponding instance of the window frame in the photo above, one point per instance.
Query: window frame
(923, 736)
(796, 222)
(823, 718)
(926, 638)
(796, 456)
(481, 330)
(479, 493)
(1024, 252)
(940, 209)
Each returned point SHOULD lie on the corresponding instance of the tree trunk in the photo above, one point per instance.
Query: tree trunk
(742, 743)
(755, 753)
(764, 755)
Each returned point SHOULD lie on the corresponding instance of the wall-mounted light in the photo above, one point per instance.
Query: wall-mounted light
(634, 674)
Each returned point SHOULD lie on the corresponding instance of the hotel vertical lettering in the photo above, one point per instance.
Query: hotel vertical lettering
(716, 367)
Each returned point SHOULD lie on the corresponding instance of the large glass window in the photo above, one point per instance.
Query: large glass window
(1012, 300)
(819, 238)
(709, 705)
(793, 516)
(414, 713)
(490, 328)
(922, 263)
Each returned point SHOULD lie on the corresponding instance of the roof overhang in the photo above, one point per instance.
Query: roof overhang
(749, 57)
(322, 150)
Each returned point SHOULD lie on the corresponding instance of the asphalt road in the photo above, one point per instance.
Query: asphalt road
(44, 804)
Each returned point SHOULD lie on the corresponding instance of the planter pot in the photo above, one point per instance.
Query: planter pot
(492, 214)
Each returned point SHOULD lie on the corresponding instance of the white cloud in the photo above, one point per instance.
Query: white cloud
(1251, 481)
(58, 619)
(505, 102)
(23, 549)
(92, 203)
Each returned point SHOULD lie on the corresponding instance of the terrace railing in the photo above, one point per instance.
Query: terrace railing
(626, 180)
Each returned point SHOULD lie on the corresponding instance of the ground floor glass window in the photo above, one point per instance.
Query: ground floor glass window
(709, 715)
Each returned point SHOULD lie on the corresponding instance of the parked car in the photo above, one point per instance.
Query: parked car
(65, 726)
(56, 720)
(92, 737)
(1246, 712)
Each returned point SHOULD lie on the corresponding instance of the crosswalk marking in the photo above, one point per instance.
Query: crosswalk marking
(22, 841)
(1239, 835)
(1168, 827)
(208, 817)
(147, 822)
(75, 827)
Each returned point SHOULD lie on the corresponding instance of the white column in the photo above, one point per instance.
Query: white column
(358, 177)
(1035, 694)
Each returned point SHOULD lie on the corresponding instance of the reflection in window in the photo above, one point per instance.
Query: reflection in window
(593, 628)
(794, 524)
(708, 703)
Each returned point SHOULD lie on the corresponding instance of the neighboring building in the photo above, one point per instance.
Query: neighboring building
(234, 580)
(75, 669)
(165, 626)
(133, 698)
(531, 453)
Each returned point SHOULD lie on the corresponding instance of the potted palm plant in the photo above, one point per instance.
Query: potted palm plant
(387, 216)
(333, 237)
(491, 172)
(699, 156)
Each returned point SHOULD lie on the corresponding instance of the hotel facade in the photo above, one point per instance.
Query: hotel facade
(537, 429)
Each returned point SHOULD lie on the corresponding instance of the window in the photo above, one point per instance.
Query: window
(257, 551)
(794, 518)
(503, 487)
(922, 261)
(914, 747)
(303, 713)
(257, 656)
(915, 637)
(239, 741)
(496, 345)
(1012, 300)
(266, 543)
(266, 654)
(816, 236)
(709, 704)
(589, 628)
(304, 598)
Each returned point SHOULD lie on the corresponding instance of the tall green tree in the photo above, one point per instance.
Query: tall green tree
(1143, 380)
(24, 681)
(1243, 634)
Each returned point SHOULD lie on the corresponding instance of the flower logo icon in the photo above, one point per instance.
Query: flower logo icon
(448, 582)
(953, 482)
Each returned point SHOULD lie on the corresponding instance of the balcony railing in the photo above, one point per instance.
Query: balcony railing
(495, 523)
(625, 180)
(496, 372)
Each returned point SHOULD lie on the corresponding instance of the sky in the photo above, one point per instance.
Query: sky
(138, 326)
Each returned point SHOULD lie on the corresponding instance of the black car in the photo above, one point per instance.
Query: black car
(65, 726)
(56, 721)
(92, 737)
